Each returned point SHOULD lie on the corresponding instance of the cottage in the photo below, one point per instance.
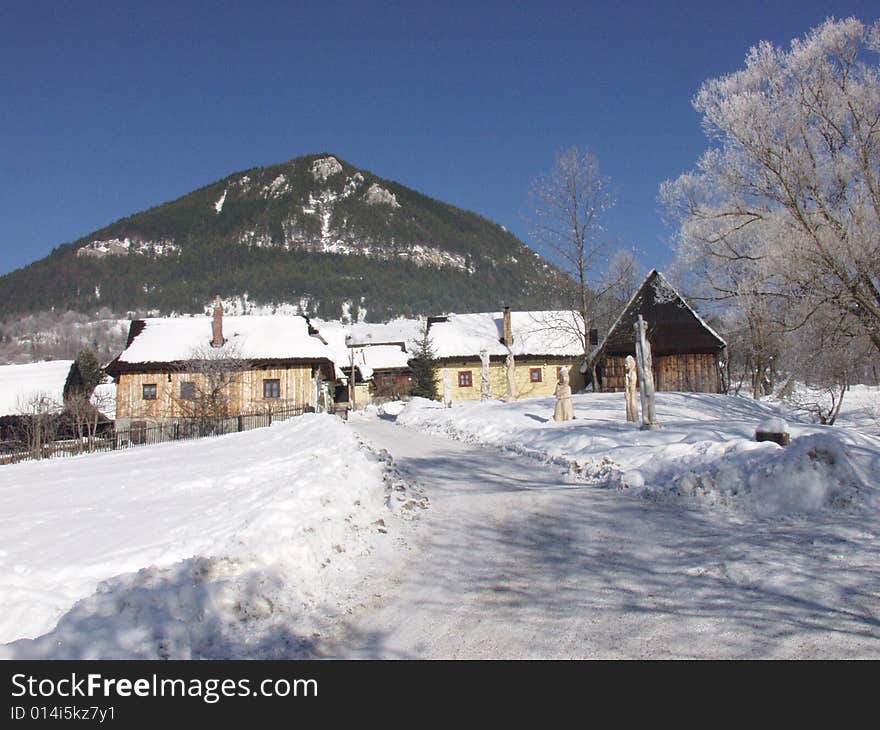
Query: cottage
(386, 367)
(376, 355)
(185, 367)
(686, 350)
(541, 344)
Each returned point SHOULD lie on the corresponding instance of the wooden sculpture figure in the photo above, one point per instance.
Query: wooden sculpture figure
(485, 384)
(632, 390)
(511, 378)
(564, 410)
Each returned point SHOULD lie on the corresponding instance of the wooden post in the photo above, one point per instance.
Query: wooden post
(351, 380)
(646, 375)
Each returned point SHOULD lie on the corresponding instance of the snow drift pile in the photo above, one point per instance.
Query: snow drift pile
(705, 451)
(214, 548)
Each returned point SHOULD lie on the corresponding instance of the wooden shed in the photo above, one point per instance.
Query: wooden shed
(686, 351)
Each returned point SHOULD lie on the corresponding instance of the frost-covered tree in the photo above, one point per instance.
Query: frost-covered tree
(755, 343)
(785, 203)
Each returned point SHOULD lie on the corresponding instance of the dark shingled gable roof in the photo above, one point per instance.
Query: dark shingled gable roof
(673, 325)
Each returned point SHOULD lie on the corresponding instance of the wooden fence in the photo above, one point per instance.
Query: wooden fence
(178, 429)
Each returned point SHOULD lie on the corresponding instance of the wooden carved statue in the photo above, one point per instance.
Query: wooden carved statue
(631, 390)
(485, 384)
(564, 410)
(511, 378)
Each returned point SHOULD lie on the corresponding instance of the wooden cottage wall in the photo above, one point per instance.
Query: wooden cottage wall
(614, 374)
(686, 372)
(685, 350)
(245, 394)
(386, 383)
(295, 383)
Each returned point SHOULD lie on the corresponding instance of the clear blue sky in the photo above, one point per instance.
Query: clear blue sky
(109, 108)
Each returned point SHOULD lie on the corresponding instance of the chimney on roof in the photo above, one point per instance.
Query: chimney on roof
(508, 329)
(217, 325)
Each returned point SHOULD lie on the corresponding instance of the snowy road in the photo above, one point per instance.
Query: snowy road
(515, 561)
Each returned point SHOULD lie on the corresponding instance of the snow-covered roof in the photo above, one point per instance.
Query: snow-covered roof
(177, 339)
(21, 383)
(395, 331)
(384, 357)
(377, 346)
(333, 333)
(552, 332)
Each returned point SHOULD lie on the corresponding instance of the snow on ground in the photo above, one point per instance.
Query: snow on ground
(236, 546)
(861, 409)
(392, 408)
(20, 384)
(705, 452)
(517, 559)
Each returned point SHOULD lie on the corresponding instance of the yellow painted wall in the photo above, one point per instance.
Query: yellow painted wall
(498, 378)
(362, 397)
(246, 392)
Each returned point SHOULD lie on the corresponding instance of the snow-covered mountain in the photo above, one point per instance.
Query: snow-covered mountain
(314, 231)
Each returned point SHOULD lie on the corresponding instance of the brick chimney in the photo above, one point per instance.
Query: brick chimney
(508, 329)
(217, 325)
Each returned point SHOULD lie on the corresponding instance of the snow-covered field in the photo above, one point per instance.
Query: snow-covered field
(238, 546)
(704, 454)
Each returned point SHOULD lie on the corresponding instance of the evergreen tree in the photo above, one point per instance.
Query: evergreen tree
(424, 364)
(85, 375)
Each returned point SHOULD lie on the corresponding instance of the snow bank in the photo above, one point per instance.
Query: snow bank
(233, 546)
(392, 408)
(704, 453)
(814, 473)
